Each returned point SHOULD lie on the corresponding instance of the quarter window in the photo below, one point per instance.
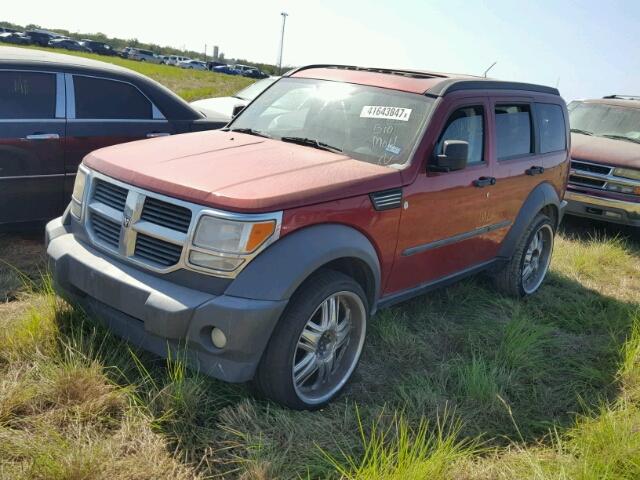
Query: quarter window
(551, 127)
(97, 98)
(513, 131)
(466, 124)
(27, 95)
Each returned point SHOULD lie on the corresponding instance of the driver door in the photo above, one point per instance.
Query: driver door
(447, 225)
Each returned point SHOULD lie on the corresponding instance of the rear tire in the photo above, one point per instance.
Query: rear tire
(526, 270)
(317, 343)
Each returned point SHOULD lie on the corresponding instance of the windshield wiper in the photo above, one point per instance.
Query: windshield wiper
(249, 131)
(582, 132)
(620, 137)
(310, 142)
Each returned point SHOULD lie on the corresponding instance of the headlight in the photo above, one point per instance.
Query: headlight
(78, 193)
(230, 236)
(224, 245)
(627, 173)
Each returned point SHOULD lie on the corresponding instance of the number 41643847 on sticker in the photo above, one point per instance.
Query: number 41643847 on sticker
(379, 111)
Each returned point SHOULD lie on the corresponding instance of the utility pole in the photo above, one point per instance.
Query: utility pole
(284, 21)
(205, 52)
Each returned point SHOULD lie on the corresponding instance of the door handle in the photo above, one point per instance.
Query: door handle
(484, 182)
(42, 136)
(535, 170)
(157, 134)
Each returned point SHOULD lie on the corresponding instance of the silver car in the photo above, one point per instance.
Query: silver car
(144, 56)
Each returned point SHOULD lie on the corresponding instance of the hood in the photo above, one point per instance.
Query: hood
(220, 108)
(617, 153)
(239, 172)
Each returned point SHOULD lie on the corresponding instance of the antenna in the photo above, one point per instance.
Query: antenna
(487, 70)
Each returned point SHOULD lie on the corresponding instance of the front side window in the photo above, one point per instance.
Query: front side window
(513, 131)
(27, 95)
(551, 127)
(97, 98)
(466, 124)
(370, 124)
(602, 120)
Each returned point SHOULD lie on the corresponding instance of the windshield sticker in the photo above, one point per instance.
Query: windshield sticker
(392, 113)
(393, 149)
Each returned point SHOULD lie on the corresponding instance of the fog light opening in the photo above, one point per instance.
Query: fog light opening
(218, 338)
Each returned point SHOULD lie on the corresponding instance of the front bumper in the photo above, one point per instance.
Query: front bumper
(603, 208)
(161, 316)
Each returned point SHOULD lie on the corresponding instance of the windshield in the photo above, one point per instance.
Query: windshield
(255, 89)
(605, 121)
(370, 124)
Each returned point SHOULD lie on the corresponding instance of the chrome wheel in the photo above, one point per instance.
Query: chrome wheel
(537, 258)
(329, 347)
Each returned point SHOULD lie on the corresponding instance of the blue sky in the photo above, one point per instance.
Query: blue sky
(591, 48)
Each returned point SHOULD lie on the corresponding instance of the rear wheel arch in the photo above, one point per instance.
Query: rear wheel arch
(542, 199)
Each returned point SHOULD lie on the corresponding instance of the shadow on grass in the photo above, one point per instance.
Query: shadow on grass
(587, 229)
(508, 369)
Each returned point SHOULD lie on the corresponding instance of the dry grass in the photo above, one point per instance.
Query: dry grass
(457, 384)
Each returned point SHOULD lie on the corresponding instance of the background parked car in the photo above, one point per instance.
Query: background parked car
(42, 37)
(100, 48)
(176, 59)
(143, 55)
(57, 108)
(125, 52)
(228, 69)
(17, 38)
(212, 65)
(605, 159)
(221, 108)
(193, 65)
(68, 44)
(254, 73)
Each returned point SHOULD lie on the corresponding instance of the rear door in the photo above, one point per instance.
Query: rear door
(104, 111)
(530, 144)
(32, 134)
(447, 226)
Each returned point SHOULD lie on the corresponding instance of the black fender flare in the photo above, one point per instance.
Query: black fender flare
(540, 197)
(276, 273)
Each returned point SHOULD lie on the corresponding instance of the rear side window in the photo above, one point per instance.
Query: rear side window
(27, 95)
(466, 124)
(551, 127)
(97, 98)
(513, 131)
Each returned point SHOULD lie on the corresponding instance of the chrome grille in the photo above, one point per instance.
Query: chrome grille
(110, 194)
(590, 167)
(590, 175)
(106, 230)
(166, 214)
(151, 230)
(157, 251)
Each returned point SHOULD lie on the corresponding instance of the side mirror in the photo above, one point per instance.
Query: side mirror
(453, 157)
(236, 110)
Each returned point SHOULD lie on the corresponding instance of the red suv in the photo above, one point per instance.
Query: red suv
(265, 248)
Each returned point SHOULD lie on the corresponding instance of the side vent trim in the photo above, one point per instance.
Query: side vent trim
(387, 199)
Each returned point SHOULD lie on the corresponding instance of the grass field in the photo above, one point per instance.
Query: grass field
(189, 84)
(459, 384)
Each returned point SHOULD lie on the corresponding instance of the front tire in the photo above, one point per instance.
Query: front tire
(316, 346)
(528, 267)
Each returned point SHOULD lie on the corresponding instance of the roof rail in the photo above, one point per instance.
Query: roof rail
(456, 84)
(623, 97)
(391, 71)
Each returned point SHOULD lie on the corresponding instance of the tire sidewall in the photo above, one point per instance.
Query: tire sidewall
(303, 304)
(539, 221)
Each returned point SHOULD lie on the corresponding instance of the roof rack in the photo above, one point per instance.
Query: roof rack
(623, 97)
(391, 71)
